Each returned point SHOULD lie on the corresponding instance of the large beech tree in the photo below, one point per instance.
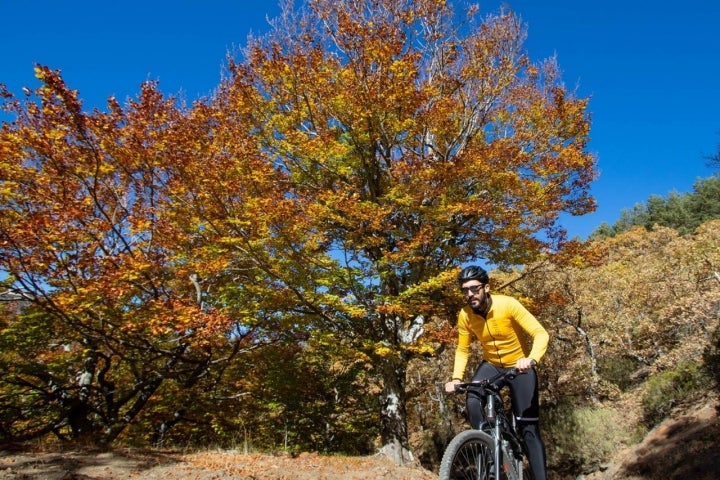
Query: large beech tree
(413, 139)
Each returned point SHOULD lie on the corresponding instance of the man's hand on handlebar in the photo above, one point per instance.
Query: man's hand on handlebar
(450, 386)
(525, 364)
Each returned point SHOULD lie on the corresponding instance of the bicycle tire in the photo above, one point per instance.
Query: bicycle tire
(468, 457)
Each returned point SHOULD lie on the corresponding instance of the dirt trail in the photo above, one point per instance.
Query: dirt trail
(126, 464)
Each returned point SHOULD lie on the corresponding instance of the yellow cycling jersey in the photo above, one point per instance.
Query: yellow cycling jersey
(501, 334)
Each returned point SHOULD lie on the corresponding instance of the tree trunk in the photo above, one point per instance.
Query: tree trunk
(393, 414)
(78, 408)
(589, 348)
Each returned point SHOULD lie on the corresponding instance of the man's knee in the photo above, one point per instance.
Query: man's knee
(475, 411)
(529, 430)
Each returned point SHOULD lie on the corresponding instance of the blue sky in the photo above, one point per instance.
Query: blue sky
(651, 70)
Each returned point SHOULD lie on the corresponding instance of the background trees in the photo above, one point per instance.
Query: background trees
(682, 212)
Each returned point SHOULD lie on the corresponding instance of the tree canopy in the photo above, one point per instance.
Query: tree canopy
(105, 245)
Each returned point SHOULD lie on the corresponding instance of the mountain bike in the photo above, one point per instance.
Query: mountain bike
(494, 452)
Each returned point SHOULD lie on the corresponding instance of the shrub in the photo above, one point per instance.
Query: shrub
(615, 370)
(712, 358)
(581, 437)
(668, 389)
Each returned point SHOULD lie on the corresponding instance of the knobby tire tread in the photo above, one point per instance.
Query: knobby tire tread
(459, 461)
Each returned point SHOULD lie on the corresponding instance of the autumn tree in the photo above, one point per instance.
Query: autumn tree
(413, 140)
(114, 229)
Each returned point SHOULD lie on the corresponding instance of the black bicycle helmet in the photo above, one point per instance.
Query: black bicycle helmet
(473, 272)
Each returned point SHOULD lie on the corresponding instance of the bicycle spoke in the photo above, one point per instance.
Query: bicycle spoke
(471, 462)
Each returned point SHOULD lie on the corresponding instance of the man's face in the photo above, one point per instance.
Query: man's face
(475, 293)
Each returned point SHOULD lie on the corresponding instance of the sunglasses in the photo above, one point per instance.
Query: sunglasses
(475, 289)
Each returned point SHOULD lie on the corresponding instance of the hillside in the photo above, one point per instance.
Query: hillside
(682, 447)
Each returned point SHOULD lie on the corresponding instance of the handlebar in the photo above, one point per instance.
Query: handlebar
(489, 383)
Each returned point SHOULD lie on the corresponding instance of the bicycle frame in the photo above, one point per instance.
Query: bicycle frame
(506, 445)
(493, 418)
(497, 418)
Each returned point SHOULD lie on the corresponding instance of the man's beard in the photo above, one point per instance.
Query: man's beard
(483, 306)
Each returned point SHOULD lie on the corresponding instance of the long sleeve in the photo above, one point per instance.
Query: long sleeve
(532, 327)
(462, 353)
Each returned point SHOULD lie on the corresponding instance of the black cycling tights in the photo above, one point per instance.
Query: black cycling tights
(526, 408)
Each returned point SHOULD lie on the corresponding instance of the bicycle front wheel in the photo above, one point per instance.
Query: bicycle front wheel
(469, 456)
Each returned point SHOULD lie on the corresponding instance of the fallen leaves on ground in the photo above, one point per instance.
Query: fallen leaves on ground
(158, 465)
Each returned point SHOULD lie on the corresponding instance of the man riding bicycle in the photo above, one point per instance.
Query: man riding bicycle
(500, 322)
